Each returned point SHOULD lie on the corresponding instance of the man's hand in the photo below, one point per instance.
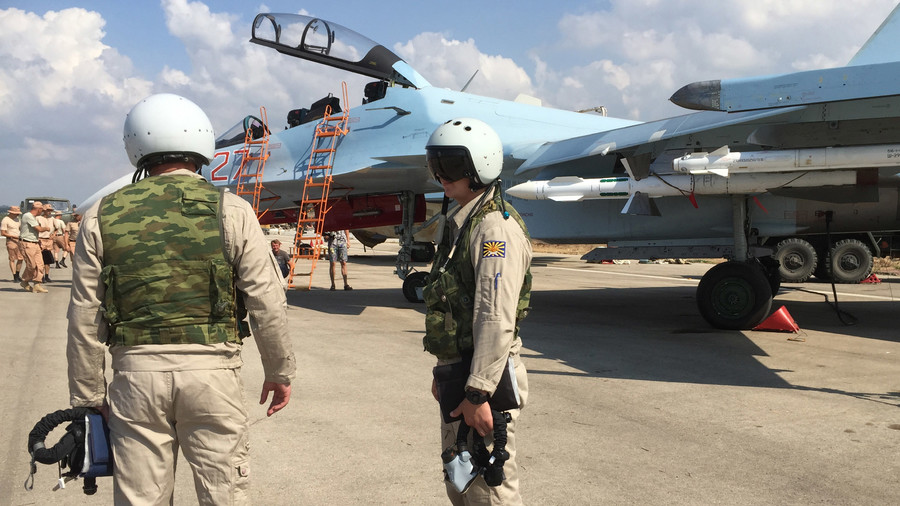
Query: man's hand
(281, 396)
(477, 416)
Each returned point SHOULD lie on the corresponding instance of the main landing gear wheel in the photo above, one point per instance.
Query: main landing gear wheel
(798, 260)
(422, 252)
(735, 295)
(414, 280)
(850, 261)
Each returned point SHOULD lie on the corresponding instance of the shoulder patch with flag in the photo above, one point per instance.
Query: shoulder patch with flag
(493, 249)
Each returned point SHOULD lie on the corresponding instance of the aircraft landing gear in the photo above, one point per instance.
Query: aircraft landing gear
(738, 294)
(413, 284)
(735, 295)
(412, 251)
(422, 252)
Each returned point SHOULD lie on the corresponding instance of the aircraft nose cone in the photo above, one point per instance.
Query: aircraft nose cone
(699, 96)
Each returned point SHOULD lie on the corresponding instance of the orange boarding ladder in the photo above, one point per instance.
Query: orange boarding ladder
(316, 187)
(253, 162)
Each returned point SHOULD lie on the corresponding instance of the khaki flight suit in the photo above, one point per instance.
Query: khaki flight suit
(72, 229)
(498, 282)
(30, 247)
(59, 237)
(10, 226)
(198, 385)
(46, 237)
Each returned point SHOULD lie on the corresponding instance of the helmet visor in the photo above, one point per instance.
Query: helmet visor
(449, 164)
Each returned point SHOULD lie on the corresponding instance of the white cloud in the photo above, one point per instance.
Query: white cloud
(60, 88)
(194, 23)
(451, 63)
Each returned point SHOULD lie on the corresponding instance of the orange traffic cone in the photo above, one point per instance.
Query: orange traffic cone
(871, 279)
(779, 321)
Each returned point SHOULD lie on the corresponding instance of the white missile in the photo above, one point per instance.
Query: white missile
(724, 162)
(575, 189)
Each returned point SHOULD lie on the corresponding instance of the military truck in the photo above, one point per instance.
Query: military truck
(58, 204)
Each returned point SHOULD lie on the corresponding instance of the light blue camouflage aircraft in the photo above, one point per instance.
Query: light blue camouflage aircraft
(767, 166)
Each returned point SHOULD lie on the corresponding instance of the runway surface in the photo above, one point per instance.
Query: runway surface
(633, 398)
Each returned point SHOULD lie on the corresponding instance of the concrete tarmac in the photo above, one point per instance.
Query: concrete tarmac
(634, 399)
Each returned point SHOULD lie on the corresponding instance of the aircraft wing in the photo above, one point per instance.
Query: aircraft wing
(645, 138)
(856, 122)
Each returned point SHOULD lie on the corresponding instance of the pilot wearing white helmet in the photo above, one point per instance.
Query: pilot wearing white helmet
(164, 273)
(477, 292)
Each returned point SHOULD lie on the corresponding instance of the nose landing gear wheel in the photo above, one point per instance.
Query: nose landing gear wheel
(411, 283)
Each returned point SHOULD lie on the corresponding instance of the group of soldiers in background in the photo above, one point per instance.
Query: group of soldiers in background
(44, 240)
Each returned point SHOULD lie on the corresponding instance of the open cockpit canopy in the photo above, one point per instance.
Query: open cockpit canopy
(331, 44)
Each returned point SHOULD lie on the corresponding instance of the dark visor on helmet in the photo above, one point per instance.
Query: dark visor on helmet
(449, 164)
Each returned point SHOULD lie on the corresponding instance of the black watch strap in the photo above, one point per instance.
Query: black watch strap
(476, 397)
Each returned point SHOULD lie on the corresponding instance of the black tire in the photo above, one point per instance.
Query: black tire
(798, 260)
(850, 261)
(821, 271)
(422, 252)
(770, 266)
(413, 281)
(734, 295)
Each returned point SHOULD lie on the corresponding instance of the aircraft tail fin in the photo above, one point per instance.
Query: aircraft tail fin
(882, 45)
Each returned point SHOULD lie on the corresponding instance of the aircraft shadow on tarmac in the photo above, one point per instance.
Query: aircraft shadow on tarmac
(354, 302)
(602, 334)
(868, 319)
(653, 334)
(350, 303)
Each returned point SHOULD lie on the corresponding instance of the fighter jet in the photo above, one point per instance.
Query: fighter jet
(784, 158)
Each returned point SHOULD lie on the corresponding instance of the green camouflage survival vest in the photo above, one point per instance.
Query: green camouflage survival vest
(166, 276)
(450, 291)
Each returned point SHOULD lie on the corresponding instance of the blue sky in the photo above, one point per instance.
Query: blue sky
(70, 70)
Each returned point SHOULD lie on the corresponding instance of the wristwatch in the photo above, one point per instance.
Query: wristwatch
(476, 397)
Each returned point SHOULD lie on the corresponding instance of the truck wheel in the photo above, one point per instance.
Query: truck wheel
(734, 295)
(850, 261)
(798, 260)
(821, 271)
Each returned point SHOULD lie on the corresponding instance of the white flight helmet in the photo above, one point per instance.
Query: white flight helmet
(170, 128)
(465, 147)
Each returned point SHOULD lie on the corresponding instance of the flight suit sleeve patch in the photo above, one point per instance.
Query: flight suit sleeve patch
(493, 249)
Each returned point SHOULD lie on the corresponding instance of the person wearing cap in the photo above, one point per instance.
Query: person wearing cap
(165, 271)
(60, 242)
(477, 292)
(30, 247)
(72, 233)
(46, 239)
(9, 228)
